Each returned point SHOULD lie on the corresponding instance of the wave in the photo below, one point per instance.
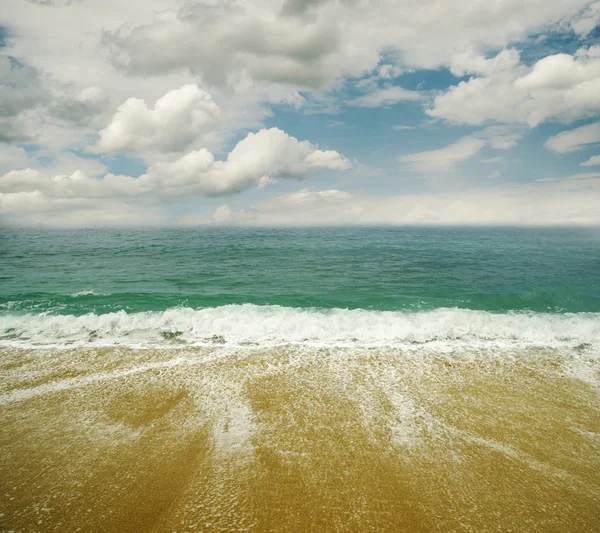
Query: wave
(249, 324)
(89, 292)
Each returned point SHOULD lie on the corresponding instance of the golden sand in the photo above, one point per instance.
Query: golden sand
(298, 440)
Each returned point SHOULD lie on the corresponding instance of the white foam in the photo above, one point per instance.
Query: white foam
(274, 325)
(83, 293)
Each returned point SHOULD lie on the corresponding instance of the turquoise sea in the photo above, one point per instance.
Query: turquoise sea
(319, 284)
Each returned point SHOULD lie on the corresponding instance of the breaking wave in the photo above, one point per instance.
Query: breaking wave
(274, 325)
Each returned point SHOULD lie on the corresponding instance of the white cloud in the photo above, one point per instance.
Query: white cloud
(386, 96)
(316, 45)
(562, 71)
(593, 161)
(443, 159)
(54, 162)
(400, 127)
(179, 118)
(223, 214)
(558, 87)
(500, 137)
(469, 62)
(568, 141)
(259, 158)
(584, 23)
(564, 201)
(555, 201)
(255, 52)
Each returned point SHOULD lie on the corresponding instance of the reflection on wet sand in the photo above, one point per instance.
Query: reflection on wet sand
(298, 439)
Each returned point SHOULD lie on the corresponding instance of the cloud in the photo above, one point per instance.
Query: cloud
(469, 62)
(562, 71)
(386, 96)
(31, 101)
(21, 87)
(561, 202)
(312, 44)
(584, 23)
(55, 3)
(177, 120)
(79, 108)
(492, 160)
(261, 157)
(443, 159)
(21, 92)
(400, 127)
(228, 39)
(500, 137)
(593, 161)
(568, 141)
(250, 54)
(14, 130)
(558, 87)
(337, 124)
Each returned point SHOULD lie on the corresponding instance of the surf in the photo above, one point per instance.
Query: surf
(249, 324)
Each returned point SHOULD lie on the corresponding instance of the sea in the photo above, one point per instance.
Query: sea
(418, 379)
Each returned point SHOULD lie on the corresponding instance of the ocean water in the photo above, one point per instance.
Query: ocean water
(322, 379)
(349, 285)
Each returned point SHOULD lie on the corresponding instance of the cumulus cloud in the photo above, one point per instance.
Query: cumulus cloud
(568, 141)
(178, 118)
(558, 87)
(226, 39)
(261, 157)
(315, 43)
(248, 53)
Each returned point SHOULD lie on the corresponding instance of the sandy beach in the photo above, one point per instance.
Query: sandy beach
(298, 439)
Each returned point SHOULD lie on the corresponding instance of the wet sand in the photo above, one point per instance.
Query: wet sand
(298, 439)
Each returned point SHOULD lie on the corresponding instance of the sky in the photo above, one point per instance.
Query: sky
(299, 112)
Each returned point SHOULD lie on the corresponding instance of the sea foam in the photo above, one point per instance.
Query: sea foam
(273, 325)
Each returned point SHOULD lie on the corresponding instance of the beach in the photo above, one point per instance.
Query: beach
(296, 439)
(262, 380)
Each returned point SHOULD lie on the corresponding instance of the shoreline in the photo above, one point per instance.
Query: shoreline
(118, 439)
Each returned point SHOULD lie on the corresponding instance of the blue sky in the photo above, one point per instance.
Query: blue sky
(293, 112)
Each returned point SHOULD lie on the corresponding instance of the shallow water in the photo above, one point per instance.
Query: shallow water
(297, 438)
